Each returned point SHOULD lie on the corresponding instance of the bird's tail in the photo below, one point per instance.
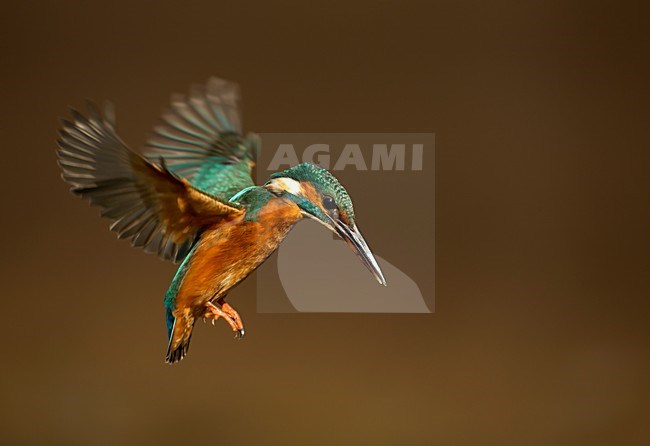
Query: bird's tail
(180, 332)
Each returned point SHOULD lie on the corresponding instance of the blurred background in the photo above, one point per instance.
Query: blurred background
(540, 334)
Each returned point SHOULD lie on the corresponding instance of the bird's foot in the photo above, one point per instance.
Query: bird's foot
(230, 311)
(212, 312)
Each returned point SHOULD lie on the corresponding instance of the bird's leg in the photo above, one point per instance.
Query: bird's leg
(230, 311)
(213, 312)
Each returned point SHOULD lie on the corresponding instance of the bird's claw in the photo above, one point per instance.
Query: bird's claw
(228, 314)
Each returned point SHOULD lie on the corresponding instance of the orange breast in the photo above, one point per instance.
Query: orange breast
(229, 252)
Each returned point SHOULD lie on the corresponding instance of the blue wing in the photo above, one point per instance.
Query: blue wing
(200, 138)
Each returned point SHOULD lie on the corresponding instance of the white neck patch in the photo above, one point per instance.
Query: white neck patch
(284, 184)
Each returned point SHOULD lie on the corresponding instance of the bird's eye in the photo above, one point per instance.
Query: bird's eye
(329, 203)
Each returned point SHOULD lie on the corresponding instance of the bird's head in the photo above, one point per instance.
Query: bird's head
(321, 197)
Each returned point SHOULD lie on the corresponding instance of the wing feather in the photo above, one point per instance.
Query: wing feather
(148, 204)
(200, 139)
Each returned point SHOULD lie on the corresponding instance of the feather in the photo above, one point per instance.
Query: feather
(147, 204)
(200, 135)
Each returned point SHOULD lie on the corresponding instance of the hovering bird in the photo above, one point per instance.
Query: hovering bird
(191, 199)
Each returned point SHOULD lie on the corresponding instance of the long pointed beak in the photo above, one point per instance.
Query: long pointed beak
(355, 241)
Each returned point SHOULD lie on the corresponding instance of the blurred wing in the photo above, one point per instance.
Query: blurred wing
(200, 139)
(148, 204)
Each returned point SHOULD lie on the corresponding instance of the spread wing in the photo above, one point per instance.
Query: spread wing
(200, 138)
(148, 204)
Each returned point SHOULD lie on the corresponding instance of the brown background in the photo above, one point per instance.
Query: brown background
(540, 334)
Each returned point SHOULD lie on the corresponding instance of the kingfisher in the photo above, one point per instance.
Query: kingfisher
(191, 199)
